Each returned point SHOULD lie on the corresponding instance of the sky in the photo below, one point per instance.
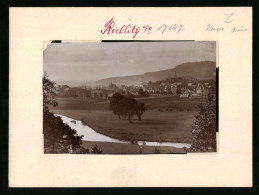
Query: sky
(93, 61)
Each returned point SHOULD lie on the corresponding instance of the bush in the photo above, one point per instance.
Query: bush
(58, 136)
(96, 150)
(81, 150)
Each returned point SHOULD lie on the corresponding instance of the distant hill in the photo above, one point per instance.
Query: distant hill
(198, 70)
(70, 83)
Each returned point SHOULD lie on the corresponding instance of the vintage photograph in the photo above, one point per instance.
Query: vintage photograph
(129, 97)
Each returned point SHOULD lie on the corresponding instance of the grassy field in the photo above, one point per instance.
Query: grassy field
(117, 148)
(160, 103)
(168, 118)
(81, 104)
(155, 126)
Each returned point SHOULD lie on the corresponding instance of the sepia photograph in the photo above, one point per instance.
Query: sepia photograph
(92, 107)
(129, 97)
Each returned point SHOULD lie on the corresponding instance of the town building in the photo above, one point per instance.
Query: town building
(186, 93)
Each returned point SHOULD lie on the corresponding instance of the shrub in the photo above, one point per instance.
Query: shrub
(96, 150)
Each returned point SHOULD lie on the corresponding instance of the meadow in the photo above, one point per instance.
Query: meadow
(168, 118)
(159, 103)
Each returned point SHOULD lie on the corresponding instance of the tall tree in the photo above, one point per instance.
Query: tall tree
(204, 130)
(57, 135)
(128, 107)
(50, 91)
(143, 93)
(114, 104)
(141, 108)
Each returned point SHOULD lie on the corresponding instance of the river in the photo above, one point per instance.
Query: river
(91, 135)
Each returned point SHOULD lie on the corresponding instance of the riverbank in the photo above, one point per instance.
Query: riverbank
(118, 148)
(155, 126)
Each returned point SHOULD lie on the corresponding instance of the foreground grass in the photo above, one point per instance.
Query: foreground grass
(117, 148)
(155, 125)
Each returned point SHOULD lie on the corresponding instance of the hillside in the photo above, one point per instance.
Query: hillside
(198, 70)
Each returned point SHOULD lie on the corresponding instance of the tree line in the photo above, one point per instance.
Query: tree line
(204, 129)
(58, 136)
(126, 107)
